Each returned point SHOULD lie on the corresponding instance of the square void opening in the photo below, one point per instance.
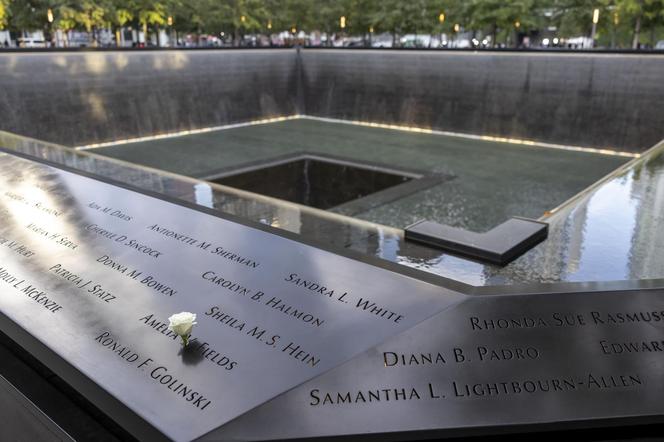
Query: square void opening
(314, 181)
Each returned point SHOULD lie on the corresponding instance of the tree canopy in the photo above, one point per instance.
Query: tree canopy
(621, 22)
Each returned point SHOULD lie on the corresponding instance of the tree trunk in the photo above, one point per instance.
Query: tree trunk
(494, 31)
(637, 31)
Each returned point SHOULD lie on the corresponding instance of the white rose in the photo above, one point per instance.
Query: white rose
(182, 323)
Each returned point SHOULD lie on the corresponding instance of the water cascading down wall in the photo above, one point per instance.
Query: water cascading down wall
(581, 99)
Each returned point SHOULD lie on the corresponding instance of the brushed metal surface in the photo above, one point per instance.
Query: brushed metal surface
(60, 230)
(489, 364)
(500, 245)
(23, 420)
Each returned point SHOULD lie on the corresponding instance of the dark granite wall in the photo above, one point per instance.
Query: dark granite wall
(595, 100)
(76, 98)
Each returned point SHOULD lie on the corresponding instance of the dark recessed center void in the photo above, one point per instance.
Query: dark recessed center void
(314, 181)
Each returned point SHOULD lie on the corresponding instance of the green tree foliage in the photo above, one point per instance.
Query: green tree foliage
(27, 15)
(643, 15)
(499, 15)
(4, 13)
(622, 22)
(150, 13)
